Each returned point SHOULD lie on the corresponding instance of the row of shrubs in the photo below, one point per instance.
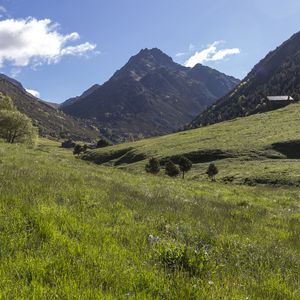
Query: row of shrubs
(173, 170)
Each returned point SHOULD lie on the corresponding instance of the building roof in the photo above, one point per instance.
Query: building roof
(280, 98)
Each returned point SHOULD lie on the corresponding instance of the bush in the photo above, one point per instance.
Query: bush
(103, 143)
(212, 171)
(78, 149)
(185, 165)
(171, 169)
(152, 166)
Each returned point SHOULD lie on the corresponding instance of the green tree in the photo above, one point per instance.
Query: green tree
(152, 166)
(16, 127)
(171, 169)
(78, 149)
(185, 165)
(6, 103)
(212, 171)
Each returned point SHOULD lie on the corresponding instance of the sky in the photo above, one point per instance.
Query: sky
(59, 48)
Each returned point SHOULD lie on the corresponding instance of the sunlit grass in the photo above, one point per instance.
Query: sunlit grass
(70, 229)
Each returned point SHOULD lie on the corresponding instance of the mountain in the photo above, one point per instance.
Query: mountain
(50, 121)
(277, 74)
(151, 95)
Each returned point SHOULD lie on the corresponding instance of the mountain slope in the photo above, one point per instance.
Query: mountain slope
(151, 95)
(277, 74)
(50, 121)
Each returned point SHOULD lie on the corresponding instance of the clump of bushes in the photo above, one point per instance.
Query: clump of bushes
(171, 169)
(153, 166)
(15, 127)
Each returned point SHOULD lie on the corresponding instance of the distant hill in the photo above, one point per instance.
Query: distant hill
(151, 95)
(277, 74)
(258, 149)
(50, 121)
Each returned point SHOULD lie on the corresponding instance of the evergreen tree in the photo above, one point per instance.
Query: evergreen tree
(153, 166)
(171, 169)
(212, 171)
(185, 165)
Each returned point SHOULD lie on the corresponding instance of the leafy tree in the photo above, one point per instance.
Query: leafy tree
(171, 169)
(212, 171)
(153, 166)
(78, 149)
(6, 103)
(185, 165)
(103, 143)
(16, 127)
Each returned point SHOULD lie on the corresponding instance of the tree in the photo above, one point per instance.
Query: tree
(16, 127)
(212, 171)
(103, 143)
(185, 165)
(171, 169)
(6, 103)
(78, 149)
(152, 166)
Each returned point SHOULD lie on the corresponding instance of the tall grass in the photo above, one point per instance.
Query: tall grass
(73, 230)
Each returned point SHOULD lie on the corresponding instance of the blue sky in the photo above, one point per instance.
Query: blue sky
(62, 47)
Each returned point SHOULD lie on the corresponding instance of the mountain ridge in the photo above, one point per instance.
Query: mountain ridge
(150, 95)
(276, 74)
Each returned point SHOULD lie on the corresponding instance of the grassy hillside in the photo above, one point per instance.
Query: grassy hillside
(70, 230)
(263, 148)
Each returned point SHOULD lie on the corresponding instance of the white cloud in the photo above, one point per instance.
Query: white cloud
(30, 41)
(210, 54)
(33, 92)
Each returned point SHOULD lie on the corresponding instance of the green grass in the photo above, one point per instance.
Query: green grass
(243, 149)
(73, 230)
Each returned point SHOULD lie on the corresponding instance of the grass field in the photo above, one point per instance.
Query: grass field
(260, 149)
(72, 230)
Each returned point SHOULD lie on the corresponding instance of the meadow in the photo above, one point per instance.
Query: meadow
(70, 229)
(258, 149)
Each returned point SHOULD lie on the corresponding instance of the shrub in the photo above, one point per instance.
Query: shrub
(212, 171)
(152, 166)
(185, 165)
(171, 169)
(103, 143)
(78, 149)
